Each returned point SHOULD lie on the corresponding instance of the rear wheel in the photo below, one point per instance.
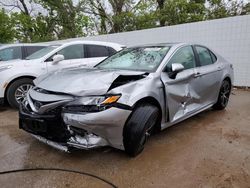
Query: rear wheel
(223, 97)
(139, 127)
(17, 91)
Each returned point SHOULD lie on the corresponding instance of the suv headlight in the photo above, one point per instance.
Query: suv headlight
(91, 104)
(3, 68)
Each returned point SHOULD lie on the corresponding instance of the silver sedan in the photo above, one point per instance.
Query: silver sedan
(124, 99)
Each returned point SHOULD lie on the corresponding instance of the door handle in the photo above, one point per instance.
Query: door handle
(197, 74)
(219, 68)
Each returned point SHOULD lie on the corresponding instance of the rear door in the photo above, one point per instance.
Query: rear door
(181, 98)
(73, 57)
(96, 53)
(28, 50)
(207, 78)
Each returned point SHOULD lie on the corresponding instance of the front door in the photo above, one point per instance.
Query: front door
(181, 97)
(73, 57)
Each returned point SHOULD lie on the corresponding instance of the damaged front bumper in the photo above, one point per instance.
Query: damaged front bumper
(89, 142)
(65, 131)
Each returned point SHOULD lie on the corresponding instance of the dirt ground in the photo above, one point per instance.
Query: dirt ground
(211, 149)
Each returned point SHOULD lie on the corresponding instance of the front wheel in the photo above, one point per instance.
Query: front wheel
(223, 97)
(17, 91)
(139, 127)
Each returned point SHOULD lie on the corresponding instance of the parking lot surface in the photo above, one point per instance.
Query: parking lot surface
(211, 149)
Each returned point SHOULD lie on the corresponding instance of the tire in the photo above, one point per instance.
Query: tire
(13, 91)
(139, 127)
(223, 97)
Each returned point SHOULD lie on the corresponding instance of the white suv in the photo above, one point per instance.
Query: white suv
(18, 51)
(16, 77)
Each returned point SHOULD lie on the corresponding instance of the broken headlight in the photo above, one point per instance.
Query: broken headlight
(91, 104)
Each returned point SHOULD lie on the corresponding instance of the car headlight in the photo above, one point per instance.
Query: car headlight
(3, 68)
(91, 104)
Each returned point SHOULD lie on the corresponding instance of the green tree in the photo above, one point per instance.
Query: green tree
(7, 32)
(33, 29)
(45, 20)
(222, 8)
(182, 11)
(142, 16)
(112, 16)
(246, 9)
(69, 18)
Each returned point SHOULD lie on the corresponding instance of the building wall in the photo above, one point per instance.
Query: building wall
(230, 37)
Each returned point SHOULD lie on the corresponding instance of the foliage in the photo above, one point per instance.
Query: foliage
(32, 29)
(7, 32)
(223, 8)
(182, 11)
(69, 20)
(45, 20)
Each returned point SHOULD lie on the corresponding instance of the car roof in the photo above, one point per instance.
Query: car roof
(23, 44)
(65, 42)
(159, 44)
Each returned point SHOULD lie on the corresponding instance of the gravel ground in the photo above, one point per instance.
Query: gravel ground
(211, 149)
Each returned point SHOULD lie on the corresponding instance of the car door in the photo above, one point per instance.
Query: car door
(208, 74)
(95, 54)
(28, 50)
(73, 57)
(181, 98)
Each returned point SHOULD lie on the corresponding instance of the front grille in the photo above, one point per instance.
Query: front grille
(53, 110)
(50, 125)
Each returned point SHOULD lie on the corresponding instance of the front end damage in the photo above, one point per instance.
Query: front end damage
(55, 123)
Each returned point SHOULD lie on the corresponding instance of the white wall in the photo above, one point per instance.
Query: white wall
(230, 37)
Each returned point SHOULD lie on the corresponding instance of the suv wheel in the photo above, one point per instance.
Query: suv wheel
(17, 91)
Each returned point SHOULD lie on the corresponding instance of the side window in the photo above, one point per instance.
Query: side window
(214, 58)
(204, 56)
(184, 56)
(97, 51)
(72, 52)
(32, 49)
(11, 53)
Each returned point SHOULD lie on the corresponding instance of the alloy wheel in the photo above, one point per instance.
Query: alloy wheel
(21, 92)
(224, 94)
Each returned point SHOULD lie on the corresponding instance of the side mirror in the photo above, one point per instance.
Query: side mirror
(176, 68)
(57, 58)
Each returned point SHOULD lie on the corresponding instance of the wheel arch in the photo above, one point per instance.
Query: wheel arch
(153, 101)
(228, 79)
(13, 80)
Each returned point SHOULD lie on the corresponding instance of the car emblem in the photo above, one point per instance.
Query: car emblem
(37, 104)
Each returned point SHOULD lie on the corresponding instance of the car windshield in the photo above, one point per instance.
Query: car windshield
(41, 53)
(137, 59)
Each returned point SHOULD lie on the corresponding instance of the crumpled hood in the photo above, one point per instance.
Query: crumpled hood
(81, 82)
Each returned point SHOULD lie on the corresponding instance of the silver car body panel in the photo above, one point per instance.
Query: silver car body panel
(106, 124)
(192, 91)
(80, 81)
